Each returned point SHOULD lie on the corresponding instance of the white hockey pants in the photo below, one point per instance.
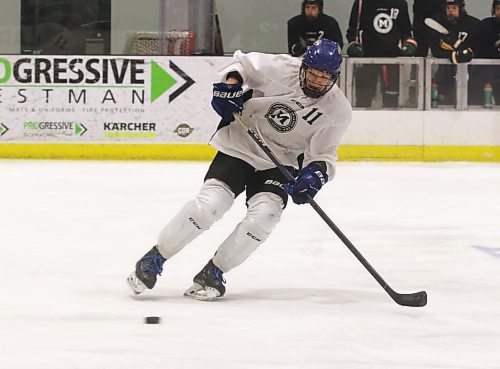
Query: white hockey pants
(196, 216)
(213, 200)
(263, 213)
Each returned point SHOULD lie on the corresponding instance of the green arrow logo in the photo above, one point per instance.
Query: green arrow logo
(80, 129)
(3, 129)
(161, 81)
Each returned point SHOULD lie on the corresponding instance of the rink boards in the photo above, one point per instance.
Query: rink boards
(158, 108)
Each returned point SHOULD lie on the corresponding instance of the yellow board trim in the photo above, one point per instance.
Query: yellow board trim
(107, 151)
(203, 152)
(420, 153)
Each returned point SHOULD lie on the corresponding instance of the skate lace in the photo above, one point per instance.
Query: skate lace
(218, 275)
(154, 264)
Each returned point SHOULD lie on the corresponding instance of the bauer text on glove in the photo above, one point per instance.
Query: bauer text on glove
(227, 99)
(309, 181)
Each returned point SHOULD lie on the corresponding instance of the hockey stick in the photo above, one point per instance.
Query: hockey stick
(218, 44)
(416, 299)
(438, 27)
(358, 22)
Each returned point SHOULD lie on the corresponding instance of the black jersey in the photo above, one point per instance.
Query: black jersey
(309, 31)
(426, 8)
(383, 24)
(489, 43)
(466, 29)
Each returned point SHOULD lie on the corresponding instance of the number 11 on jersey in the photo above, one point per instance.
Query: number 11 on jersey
(312, 115)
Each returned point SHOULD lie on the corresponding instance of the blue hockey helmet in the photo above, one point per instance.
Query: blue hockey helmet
(325, 56)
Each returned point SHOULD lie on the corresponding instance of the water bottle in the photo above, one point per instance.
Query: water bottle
(488, 95)
(434, 95)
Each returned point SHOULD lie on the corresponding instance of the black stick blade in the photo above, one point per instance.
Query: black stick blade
(417, 299)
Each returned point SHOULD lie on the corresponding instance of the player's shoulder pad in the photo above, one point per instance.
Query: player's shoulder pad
(337, 108)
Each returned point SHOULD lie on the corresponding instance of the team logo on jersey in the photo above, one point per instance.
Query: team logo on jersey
(281, 117)
(383, 23)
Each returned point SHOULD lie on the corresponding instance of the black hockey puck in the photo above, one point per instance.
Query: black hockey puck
(152, 320)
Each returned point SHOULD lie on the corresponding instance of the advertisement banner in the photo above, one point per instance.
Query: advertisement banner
(106, 99)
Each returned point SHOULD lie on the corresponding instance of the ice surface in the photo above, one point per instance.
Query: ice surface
(71, 232)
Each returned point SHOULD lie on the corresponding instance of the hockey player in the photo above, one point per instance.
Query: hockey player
(423, 9)
(489, 43)
(459, 45)
(377, 28)
(301, 114)
(489, 48)
(460, 26)
(311, 25)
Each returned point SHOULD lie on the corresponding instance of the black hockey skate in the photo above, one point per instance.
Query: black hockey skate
(146, 270)
(208, 284)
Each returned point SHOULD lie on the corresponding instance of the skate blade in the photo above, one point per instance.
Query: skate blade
(200, 293)
(135, 284)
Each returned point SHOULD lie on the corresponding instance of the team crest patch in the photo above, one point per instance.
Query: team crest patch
(383, 23)
(281, 117)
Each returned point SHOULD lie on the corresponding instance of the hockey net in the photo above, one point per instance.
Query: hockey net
(176, 43)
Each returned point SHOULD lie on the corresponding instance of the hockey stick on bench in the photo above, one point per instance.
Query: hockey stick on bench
(405, 299)
(438, 27)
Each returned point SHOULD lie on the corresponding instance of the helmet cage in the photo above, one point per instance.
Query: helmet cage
(316, 92)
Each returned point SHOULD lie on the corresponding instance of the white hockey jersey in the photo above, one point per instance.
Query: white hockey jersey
(289, 122)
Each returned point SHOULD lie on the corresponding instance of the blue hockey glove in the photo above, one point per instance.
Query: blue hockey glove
(309, 181)
(227, 99)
